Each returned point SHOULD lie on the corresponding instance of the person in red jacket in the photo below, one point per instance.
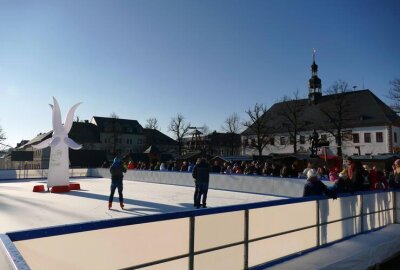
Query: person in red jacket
(130, 165)
(377, 180)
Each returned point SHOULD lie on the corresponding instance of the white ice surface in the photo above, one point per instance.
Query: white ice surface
(22, 209)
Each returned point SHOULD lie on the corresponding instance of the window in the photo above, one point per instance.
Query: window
(395, 137)
(291, 140)
(347, 135)
(282, 140)
(379, 137)
(272, 141)
(252, 142)
(356, 138)
(302, 139)
(367, 137)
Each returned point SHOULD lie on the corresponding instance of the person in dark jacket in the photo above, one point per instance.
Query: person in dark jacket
(343, 183)
(394, 176)
(358, 176)
(117, 171)
(201, 174)
(315, 187)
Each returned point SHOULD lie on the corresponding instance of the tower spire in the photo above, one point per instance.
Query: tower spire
(314, 84)
(313, 54)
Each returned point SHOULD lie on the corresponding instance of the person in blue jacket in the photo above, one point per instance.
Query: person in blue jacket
(315, 187)
(117, 171)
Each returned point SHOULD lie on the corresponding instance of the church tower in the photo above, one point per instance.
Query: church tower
(314, 84)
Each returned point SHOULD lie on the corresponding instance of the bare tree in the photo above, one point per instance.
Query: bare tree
(232, 127)
(152, 123)
(205, 129)
(179, 128)
(232, 124)
(291, 114)
(3, 146)
(257, 126)
(394, 94)
(338, 112)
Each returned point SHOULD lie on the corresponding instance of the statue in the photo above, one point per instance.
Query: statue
(314, 143)
(59, 143)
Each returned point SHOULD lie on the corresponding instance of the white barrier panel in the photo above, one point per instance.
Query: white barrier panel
(218, 230)
(375, 206)
(341, 208)
(377, 202)
(340, 212)
(79, 172)
(276, 247)
(377, 220)
(228, 258)
(262, 221)
(113, 248)
(172, 265)
(38, 173)
(340, 229)
(288, 187)
(397, 194)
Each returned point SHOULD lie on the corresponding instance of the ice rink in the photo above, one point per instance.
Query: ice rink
(22, 209)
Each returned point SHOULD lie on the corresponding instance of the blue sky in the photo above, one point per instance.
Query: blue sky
(205, 59)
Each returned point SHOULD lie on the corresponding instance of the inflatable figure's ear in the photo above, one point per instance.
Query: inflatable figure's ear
(70, 118)
(57, 125)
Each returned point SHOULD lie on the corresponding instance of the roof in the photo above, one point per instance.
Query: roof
(375, 157)
(224, 139)
(156, 137)
(81, 132)
(363, 109)
(233, 158)
(152, 150)
(127, 126)
(84, 132)
(40, 137)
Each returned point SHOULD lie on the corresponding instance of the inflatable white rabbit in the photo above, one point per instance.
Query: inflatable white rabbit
(59, 143)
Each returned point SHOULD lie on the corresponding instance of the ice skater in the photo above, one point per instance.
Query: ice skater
(201, 174)
(117, 171)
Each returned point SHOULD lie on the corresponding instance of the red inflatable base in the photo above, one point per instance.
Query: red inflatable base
(60, 189)
(38, 188)
(74, 186)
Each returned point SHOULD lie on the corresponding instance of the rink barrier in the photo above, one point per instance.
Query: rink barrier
(268, 185)
(275, 186)
(247, 236)
(39, 173)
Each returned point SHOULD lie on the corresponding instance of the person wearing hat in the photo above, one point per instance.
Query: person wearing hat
(315, 187)
(394, 177)
(117, 171)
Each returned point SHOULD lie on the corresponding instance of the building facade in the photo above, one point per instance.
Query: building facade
(347, 123)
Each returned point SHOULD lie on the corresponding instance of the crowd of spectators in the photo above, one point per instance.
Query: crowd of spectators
(355, 176)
